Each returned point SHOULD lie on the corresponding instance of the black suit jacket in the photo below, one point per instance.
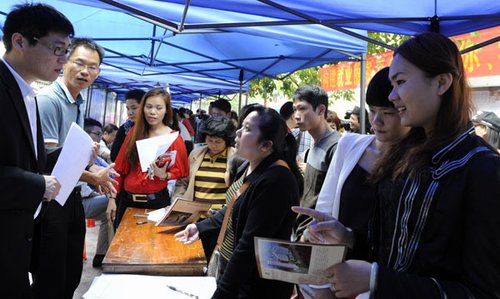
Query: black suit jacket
(21, 186)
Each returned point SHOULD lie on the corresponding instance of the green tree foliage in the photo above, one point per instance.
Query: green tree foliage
(387, 38)
(267, 87)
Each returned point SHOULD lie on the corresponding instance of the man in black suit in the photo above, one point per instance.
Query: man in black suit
(36, 39)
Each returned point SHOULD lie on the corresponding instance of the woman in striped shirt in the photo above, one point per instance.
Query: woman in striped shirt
(208, 164)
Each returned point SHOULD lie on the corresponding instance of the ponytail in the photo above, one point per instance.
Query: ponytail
(289, 155)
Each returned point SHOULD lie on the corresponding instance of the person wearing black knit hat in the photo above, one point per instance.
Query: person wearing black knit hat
(487, 126)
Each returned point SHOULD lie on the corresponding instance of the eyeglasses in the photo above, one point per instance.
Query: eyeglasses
(58, 51)
(98, 134)
(80, 66)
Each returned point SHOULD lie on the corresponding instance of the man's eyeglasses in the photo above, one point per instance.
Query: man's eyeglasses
(80, 66)
(58, 51)
(98, 134)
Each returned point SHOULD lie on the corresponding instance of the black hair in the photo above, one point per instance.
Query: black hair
(219, 126)
(235, 167)
(175, 120)
(234, 115)
(286, 110)
(90, 122)
(135, 94)
(379, 88)
(273, 128)
(109, 128)
(34, 21)
(221, 104)
(312, 94)
(87, 43)
(245, 110)
(433, 54)
(182, 111)
(357, 111)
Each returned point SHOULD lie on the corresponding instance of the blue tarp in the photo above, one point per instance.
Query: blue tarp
(140, 53)
(203, 46)
(408, 17)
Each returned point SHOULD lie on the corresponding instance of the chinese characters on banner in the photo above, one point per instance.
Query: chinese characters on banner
(478, 63)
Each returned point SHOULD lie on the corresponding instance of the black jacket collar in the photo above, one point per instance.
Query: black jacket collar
(263, 165)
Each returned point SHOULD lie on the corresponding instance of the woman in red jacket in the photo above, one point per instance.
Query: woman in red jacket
(142, 189)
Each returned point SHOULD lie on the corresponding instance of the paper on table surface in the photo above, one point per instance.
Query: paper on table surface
(128, 286)
(156, 215)
(71, 163)
(147, 149)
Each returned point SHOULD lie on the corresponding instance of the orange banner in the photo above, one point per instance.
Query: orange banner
(478, 63)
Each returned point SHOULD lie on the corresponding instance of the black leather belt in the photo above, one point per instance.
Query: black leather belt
(76, 192)
(147, 197)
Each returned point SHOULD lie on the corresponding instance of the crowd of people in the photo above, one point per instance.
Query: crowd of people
(415, 199)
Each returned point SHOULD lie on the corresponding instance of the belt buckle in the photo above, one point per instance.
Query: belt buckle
(139, 198)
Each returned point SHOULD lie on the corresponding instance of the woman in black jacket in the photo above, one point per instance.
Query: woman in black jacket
(272, 185)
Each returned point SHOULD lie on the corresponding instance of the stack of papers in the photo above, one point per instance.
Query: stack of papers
(125, 286)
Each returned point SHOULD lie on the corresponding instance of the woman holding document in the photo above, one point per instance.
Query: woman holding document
(261, 208)
(140, 189)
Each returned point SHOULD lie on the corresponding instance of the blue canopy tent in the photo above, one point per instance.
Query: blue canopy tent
(449, 17)
(270, 17)
(140, 53)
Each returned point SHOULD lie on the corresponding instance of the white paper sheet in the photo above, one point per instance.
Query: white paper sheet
(125, 286)
(74, 157)
(157, 215)
(147, 149)
(72, 160)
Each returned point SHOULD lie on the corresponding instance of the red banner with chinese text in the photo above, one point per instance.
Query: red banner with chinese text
(478, 63)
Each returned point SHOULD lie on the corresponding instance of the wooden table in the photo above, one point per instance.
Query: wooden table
(147, 249)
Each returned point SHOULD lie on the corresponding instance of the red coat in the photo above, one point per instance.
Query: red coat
(135, 181)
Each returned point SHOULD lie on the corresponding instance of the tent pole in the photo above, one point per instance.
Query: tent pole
(89, 100)
(362, 84)
(480, 45)
(241, 89)
(105, 108)
(183, 20)
(331, 26)
(199, 106)
(116, 120)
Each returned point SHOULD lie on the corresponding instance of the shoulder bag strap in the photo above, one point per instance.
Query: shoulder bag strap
(229, 207)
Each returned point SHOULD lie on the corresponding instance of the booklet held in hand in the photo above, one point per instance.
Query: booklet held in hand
(296, 262)
(183, 212)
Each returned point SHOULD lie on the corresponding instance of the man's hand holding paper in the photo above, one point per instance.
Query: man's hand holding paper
(52, 187)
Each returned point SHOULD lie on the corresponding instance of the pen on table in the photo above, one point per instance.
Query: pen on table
(142, 215)
(182, 292)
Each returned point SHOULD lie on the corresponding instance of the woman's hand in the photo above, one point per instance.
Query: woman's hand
(325, 228)
(111, 210)
(160, 172)
(350, 278)
(189, 235)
